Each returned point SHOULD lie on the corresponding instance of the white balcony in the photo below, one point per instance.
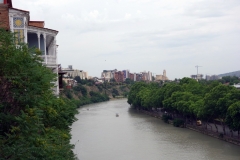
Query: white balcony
(49, 60)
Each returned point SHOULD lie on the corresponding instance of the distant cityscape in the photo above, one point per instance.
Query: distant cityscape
(122, 75)
(113, 75)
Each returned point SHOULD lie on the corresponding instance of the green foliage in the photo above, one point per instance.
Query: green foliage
(100, 88)
(115, 92)
(178, 122)
(34, 122)
(190, 99)
(69, 94)
(233, 116)
(166, 118)
(98, 97)
(230, 79)
(128, 81)
(81, 89)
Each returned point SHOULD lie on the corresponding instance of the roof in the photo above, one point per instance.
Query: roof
(20, 10)
(36, 23)
(237, 85)
(45, 28)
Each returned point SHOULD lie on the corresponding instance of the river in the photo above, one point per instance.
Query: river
(99, 135)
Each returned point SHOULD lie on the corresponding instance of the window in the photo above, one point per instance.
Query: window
(19, 35)
(1, 1)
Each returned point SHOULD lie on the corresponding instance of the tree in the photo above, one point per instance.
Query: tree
(34, 124)
(233, 117)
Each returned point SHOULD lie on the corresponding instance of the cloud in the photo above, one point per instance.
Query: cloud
(143, 34)
(128, 16)
(94, 14)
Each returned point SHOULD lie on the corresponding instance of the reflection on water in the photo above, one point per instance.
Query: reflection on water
(100, 135)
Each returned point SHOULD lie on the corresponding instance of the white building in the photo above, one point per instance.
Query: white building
(70, 72)
(36, 35)
(108, 74)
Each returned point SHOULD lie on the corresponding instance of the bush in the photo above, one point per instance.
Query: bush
(100, 88)
(178, 122)
(165, 118)
(80, 88)
(115, 92)
(69, 94)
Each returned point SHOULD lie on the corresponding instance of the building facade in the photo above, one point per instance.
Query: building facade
(31, 32)
(162, 77)
(72, 73)
(106, 75)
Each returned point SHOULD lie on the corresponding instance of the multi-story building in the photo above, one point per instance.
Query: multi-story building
(131, 76)
(31, 32)
(197, 77)
(212, 77)
(119, 76)
(108, 74)
(70, 72)
(126, 74)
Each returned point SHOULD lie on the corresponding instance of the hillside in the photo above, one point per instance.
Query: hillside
(87, 93)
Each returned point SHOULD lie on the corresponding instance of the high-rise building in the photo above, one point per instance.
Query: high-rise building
(126, 74)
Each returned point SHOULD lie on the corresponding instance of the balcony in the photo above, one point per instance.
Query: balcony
(49, 60)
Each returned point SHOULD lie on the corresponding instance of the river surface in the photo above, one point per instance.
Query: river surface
(99, 135)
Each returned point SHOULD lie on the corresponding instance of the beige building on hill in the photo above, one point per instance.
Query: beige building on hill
(162, 77)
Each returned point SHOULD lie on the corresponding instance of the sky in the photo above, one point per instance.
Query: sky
(143, 35)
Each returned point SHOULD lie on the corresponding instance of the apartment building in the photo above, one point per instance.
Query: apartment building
(126, 74)
(108, 74)
(119, 76)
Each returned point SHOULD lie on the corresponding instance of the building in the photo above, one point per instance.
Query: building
(162, 77)
(212, 77)
(197, 77)
(31, 32)
(126, 74)
(131, 76)
(108, 74)
(72, 73)
(237, 86)
(119, 76)
(146, 76)
(60, 77)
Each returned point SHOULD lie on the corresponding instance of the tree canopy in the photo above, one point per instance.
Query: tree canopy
(34, 123)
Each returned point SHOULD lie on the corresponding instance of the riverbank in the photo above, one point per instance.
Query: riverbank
(196, 128)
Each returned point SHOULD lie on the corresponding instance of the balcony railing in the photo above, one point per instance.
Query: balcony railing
(49, 59)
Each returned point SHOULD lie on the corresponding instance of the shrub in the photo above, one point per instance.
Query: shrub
(178, 122)
(115, 92)
(165, 118)
(80, 88)
(69, 94)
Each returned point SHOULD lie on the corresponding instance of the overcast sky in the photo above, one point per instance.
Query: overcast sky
(143, 35)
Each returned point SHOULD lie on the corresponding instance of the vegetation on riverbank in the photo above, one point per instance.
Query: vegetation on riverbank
(34, 124)
(87, 92)
(190, 100)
